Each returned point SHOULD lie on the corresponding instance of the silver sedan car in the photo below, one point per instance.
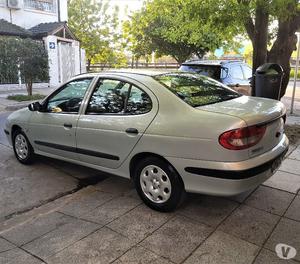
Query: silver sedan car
(169, 132)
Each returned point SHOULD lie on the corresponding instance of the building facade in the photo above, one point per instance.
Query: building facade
(45, 20)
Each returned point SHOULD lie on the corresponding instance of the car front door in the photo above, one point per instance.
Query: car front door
(52, 129)
(116, 116)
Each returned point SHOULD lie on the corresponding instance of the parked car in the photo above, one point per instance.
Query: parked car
(236, 74)
(169, 132)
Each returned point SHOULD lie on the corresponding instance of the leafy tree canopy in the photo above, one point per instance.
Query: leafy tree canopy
(94, 25)
(27, 56)
(179, 28)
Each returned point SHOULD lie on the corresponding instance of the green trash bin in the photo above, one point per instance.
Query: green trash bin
(268, 80)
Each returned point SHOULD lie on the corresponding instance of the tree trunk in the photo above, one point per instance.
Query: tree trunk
(282, 50)
(29, 87)
(260, 39)
(89, 65)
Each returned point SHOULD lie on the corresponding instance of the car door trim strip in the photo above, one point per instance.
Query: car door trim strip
(78, 150)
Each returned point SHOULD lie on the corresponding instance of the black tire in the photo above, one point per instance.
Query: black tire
(29, 157)
(176, 192)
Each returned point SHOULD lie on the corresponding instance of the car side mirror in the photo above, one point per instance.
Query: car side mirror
(36, 106)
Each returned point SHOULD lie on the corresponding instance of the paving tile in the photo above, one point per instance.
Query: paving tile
(85, 203)
(140, 255)
(60, 238)
(267, 256)
(18, 256)
(177, 238)
(270, 200)
(250, 224)
(242, 196)
(294, 210)
(295, 154)
(291, 166)
(115, 185)
(5, 245)
(75, 170)
(221, 248)
(31, 186)
(22, 234)
(103, 246)
(112, 210)
(209, 210)
(284, 181)
(286, 232)
(139, 222)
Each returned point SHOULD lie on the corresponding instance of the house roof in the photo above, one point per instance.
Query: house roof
(10, 29)
(39, 31)
(45, 29)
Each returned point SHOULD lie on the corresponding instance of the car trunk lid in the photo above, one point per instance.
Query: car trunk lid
(255, 111)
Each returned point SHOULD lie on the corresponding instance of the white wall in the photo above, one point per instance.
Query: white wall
(76, 48)
(63, 10)
(28, 18)
(53, 60)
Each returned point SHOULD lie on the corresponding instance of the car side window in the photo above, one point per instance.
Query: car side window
(236, 72)
(247, 72)
(118, 97)
(69, 98)
(109, 96)
(138, 102)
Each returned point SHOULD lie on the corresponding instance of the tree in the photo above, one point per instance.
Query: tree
(26, 56)
(135, 39)
(271, 27)
(8, 60)
(32, 61)
(93, 25)
(181, 28)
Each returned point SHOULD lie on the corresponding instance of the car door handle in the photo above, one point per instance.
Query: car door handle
(68, 125)
(131, 130)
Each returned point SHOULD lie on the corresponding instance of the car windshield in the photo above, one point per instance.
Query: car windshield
(206, 70)
(196, 90)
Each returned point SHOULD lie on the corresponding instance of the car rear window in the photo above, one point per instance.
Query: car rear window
(206, 70)
(196, 90)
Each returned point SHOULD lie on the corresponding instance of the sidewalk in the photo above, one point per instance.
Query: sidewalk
(107, 223)
(10, 105)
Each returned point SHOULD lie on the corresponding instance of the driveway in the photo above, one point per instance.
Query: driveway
(107, 222)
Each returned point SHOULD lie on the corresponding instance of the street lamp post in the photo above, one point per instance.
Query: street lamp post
(295, 73)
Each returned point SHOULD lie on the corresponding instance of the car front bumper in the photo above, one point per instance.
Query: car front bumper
(229, 178)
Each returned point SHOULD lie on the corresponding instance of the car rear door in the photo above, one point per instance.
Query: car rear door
(117, 114)
(52, 130)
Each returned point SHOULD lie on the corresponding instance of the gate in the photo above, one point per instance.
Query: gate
(66, 61)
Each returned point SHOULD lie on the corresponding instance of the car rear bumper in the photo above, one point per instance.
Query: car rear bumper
(229, 178)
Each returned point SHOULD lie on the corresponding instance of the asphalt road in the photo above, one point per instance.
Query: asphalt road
(3, 139)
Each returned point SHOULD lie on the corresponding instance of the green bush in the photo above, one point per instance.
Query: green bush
(23, 97)
(27, 56)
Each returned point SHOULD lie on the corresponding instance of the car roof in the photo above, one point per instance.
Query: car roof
(211, 62)
(127, 72)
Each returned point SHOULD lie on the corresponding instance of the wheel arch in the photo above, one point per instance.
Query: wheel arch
(14, 128)
(139, 156)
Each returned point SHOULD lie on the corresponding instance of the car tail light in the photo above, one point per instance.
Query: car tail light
(242, 138)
